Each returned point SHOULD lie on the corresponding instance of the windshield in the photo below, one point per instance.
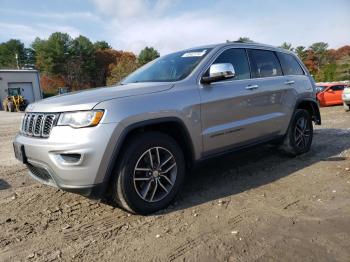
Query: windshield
(320, 88)
(169, 68)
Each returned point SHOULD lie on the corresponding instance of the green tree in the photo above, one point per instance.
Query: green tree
(81, 62)
(320, 52)
(244, 39)
(301, 52)
(102, 45)
(147, 54)
(287, 46)
(8, 52)
(329, 73)
(52, 54)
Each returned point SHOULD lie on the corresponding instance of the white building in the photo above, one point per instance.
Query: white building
(25, 82)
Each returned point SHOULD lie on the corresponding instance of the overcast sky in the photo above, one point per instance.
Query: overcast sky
(170, 25)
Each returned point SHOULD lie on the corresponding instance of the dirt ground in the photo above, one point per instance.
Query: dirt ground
(253, 205)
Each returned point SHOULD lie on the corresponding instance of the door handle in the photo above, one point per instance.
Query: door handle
(252, 87)
(289, 82)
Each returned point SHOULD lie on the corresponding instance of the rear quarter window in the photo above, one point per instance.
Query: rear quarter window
(290, 65)
(264, 63)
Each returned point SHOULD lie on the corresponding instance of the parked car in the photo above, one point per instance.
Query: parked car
(135, 142)
(330, 94)
(346, 98)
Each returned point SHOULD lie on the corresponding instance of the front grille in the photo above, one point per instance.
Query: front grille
(38, 124)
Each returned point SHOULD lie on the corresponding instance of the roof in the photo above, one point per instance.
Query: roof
(18, 71)
(241, 44)
(329, 83)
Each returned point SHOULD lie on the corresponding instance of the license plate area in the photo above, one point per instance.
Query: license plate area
(20, 152)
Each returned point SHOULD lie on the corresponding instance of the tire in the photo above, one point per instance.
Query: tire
(295, 142)
(139, 188)
(346, 106)
(11, 107)
(5, 107)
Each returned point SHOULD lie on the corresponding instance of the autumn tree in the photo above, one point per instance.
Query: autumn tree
(147, 54)
(126, 64)
(105, 60)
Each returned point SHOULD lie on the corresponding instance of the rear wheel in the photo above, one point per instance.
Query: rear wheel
(150, 173)
(298, 139)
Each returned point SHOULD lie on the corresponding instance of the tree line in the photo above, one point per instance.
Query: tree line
(324, 64)
(79, 63)
(76, 63)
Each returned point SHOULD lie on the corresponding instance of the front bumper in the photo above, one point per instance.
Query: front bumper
(346, 100)
(71, 159)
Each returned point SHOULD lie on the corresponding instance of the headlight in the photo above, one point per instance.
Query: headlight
(80, 118)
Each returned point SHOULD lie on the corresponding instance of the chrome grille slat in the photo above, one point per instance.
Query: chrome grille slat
(38, 124)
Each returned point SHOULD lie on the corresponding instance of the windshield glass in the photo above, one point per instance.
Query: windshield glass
(320, 88)
(169, 68)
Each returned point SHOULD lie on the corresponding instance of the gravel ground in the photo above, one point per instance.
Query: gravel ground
(253, 205)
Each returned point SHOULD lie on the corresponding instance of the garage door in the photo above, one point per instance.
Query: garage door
(26, 90)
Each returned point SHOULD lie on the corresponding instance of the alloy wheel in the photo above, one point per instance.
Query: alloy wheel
(302, 133)
(155, 174)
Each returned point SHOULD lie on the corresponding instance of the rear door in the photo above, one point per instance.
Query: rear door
(338, 92)
(296, 82)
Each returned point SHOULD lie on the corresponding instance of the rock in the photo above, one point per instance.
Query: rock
(234, 232)
(8, 220)
(347, 169)
(334, 191)
(157, 236)
(195, 214)
(31, 255)
(66, 227)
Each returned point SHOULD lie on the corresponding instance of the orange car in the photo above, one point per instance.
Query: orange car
(329, 94)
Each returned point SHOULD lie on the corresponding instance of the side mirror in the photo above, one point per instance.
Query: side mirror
(219, 72)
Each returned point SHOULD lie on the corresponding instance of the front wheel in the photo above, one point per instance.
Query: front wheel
(298, 139)
(150, 173)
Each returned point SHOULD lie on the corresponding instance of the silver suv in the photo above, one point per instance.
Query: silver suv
(136, 141)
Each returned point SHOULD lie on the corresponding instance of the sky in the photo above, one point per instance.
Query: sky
(171, 25)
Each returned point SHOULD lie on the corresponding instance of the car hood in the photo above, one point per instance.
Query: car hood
(87, 99)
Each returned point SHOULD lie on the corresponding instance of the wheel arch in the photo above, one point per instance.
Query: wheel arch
(311, 106)
(171, 126)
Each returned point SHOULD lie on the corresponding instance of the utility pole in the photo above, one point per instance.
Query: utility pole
(17, 61)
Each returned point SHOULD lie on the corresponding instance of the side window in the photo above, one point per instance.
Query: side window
(238, 58)
(290, 65)
(337, 88)
(264, 63)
